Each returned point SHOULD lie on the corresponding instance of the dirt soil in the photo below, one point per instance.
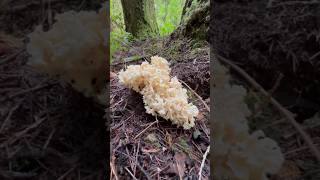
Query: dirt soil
(153, 149)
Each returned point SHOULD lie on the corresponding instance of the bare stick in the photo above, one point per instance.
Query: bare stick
(17, 175)
(10, 57)
(130, 173)
(66, 173)
(23, 132)
(5, 122)
(289, 116)
(203, 161)
(113, 168)
(145, 129)
(48, 140)
(198, 96)
(143, 171)
(31, 89)
(136, 159)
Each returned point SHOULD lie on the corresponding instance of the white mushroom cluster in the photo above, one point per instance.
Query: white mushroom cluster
(237, 154)
(74, 48)
(162, 95)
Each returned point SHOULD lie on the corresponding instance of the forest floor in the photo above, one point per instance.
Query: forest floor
(266, 39)
(152, 147)
(136, 138)
(47, 129)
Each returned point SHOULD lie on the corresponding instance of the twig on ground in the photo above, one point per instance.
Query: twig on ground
(113, 168)
(6, 121)
(45, 167)
(48, 140)
(32, 89)
(203, 127)
(276, 122)
(198, 96)
(129, 60)
(145, 129)
(278, 106)
(136, 159)
(297, 150)
(10, 57)
(203, 161)
(63, 176)
(143, 171)
(271, 92)
(120, 124)
(17, 175)
(22, 133)
(130, 173)
(160, 170)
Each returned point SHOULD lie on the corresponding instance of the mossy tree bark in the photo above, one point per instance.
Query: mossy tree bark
(195, 20)
(140, 18)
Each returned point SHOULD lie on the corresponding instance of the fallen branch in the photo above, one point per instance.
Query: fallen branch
(203, 161)
(198, 96)
(130, 173)
(287, 114)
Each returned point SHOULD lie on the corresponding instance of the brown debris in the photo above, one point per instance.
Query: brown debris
(132, 126)
(47, 130)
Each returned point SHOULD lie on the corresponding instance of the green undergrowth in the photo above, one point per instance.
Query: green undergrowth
(118, 35)
(168, 14)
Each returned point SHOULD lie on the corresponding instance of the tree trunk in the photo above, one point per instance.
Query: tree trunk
(140, 18)
(187, 4)
(195, 20)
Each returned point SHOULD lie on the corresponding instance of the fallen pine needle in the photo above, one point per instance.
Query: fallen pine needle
(145, 129)
(203, 161)
(130, 173)
(66, 173)
(5, 122)
(113, 168)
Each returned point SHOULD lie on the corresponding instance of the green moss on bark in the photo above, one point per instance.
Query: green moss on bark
(194, 20)
(140, 18)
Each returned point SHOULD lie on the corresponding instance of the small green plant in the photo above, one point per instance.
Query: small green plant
(168, 15)
(118, 35)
